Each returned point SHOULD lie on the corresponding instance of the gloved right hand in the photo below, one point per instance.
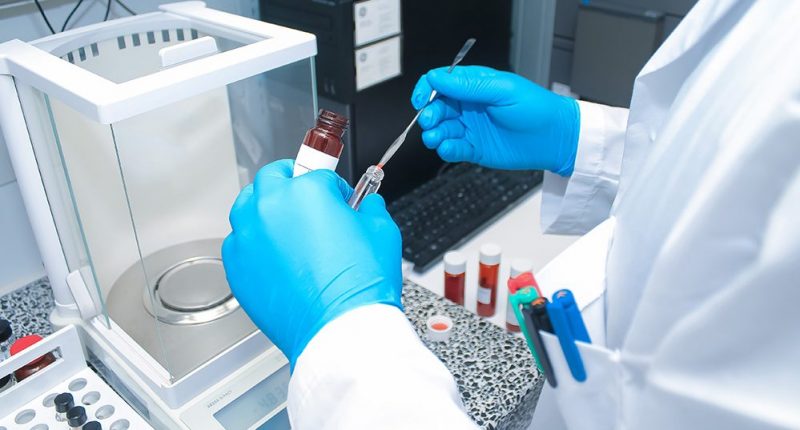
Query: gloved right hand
(299, 257)
(497, 119)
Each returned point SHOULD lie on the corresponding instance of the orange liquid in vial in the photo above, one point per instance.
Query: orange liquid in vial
(454, 287)
(440, 326)
(487, 289)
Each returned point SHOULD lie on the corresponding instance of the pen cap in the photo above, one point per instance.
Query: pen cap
(565, 297)
(539, 308)
(520, 266)
(567, 301)
(455, 263)
(490, 254)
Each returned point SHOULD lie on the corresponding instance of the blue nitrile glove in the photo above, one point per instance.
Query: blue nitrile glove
(497, 119)
(299, 256)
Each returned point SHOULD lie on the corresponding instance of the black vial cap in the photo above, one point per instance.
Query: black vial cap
(5, 380)
(92, 425)
(64, 402)
(76, 416)
(5, 330)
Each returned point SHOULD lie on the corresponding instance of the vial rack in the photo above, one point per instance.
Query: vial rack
(29, 405)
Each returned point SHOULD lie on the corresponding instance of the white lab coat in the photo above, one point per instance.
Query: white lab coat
(688, 277)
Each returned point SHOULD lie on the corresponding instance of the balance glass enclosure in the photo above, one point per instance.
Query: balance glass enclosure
(144, 131)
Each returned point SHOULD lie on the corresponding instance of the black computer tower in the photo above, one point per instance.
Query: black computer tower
(430, 33)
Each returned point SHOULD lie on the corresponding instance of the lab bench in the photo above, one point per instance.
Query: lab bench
(496, 377)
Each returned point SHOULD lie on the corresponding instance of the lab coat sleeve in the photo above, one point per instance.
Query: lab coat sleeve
(576, 204)
(367, 369)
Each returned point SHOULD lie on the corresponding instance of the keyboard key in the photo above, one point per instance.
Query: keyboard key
(448, 209)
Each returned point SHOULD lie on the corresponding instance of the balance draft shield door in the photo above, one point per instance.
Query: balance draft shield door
(182, 167)
(144, 130)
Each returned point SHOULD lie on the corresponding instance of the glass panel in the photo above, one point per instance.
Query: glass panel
(77, 164)
(182, 166)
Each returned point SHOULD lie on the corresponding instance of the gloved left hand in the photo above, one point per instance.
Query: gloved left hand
(299, 256)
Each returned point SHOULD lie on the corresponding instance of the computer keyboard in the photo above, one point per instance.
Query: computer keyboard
(450, 208)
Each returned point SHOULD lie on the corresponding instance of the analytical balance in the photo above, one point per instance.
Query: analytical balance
(130, 140)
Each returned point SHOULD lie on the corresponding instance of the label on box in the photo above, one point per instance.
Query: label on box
(375, 20)
(484, 295)
(377, 62)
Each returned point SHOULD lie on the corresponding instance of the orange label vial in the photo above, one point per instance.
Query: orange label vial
(488, 273)
(455, 268)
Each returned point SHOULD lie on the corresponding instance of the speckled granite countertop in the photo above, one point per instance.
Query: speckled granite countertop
(495, 372)
(28, 309)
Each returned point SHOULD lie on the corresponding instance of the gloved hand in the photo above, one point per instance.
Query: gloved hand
(497, 119)
(299, 256)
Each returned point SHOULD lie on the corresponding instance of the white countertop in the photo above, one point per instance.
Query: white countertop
(519, 235)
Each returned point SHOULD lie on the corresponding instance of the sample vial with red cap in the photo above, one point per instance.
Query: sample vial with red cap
(322, 144)
(35, 365)
(455, 268)
(519, 267)
(488, 274)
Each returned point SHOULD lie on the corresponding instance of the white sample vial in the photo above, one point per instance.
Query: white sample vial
(518, 267)
(322, 144)
(439, 328)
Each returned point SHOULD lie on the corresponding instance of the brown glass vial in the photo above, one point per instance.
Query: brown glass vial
(488, 275)
(322, 144)
(455, 276)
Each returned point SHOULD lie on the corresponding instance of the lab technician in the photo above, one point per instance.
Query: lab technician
(689, 270)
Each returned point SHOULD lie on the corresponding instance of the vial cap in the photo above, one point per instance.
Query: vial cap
(92, 425)
(64, 402)
(76, 416)
(20, 344)
(439, 328)
(5, 380)
(455, 263)
(520, 266)
(5, 330)
(490, 253)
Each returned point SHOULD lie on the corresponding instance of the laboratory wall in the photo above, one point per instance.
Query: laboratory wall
(19, 256)
(532, 38)
(598, 46)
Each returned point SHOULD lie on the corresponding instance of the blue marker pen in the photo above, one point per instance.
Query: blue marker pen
(567, 301)
(558, 317)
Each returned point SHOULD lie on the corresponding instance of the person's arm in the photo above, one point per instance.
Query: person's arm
(323, 282)
(501, 120)
(367, 369)
(577, 203)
